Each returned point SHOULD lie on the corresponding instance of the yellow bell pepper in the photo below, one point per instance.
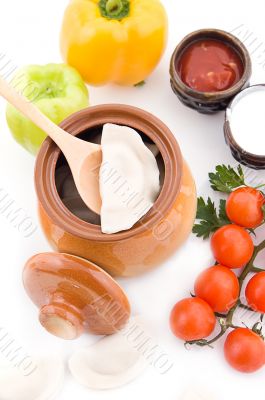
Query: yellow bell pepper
(119, 41)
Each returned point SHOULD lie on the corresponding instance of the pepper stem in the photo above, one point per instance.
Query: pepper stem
(114, 9)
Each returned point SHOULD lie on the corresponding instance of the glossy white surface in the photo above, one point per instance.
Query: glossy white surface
(29, 33)
(248, 109)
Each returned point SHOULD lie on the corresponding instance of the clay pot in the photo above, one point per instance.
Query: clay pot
(74, 296)
(156, 236)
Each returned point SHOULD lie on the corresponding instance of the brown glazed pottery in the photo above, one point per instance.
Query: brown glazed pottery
(74, 296)
(254, 161)
(203, 102)
(156, 236)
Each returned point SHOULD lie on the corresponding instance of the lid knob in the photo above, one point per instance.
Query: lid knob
(61, 321)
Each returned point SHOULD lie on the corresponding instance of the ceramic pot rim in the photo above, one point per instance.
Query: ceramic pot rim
(214, 34)
(91, 117)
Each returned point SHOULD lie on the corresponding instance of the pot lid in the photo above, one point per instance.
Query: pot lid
(74, 295)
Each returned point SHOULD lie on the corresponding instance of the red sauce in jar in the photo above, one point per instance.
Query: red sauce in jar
(210, 66)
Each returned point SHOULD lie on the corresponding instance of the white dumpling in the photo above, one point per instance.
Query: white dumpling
(41, 382)
(109, 363)
(129, 178)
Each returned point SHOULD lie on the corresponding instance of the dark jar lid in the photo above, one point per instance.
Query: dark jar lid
(209, 102)
(255, 161)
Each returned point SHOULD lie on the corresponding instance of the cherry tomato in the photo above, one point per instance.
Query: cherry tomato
(219, 287)
(232, 246)
(244, 350)
(255, 292)
(243, 207)
(192, 319)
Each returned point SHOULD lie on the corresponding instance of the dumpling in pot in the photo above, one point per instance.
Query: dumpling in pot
(129, 178)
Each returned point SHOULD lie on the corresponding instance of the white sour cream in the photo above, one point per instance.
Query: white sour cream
(246, 115)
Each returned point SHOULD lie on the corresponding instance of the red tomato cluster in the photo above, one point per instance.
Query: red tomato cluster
(217, 288)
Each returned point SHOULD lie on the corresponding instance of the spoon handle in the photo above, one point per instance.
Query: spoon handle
(29, 110)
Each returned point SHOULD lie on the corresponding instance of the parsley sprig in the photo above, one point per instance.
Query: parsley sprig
(209, 219)
(226, 179)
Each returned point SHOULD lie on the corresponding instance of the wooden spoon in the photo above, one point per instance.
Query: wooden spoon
(84, 158)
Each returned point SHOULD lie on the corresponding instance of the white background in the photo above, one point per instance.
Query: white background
(29, 33)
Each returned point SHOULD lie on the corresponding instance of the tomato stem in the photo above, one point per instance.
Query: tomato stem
(226, 322)
(259, 186)
(255, 269)
(241, 305)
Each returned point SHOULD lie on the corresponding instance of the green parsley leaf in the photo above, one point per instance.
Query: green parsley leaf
(222, 212)
(210, 221)
(225, 178)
